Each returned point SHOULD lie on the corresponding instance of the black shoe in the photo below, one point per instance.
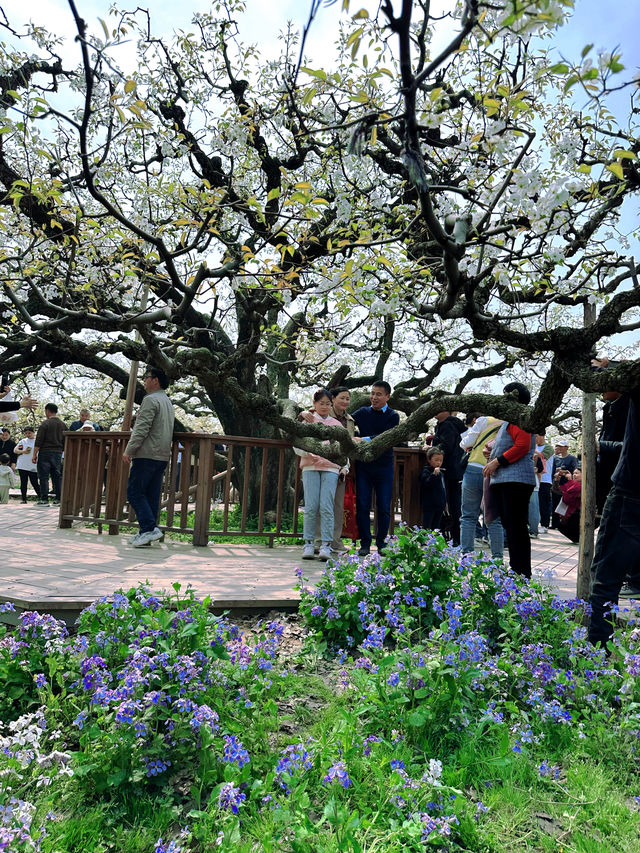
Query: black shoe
(364, 552)
(629, 591)
(23, 502)
(382, 549)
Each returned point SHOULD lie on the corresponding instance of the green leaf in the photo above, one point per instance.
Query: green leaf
(616, 169)
(559, 68)
(321, 75)
(417, 719)
(585, 50)
(570, 82)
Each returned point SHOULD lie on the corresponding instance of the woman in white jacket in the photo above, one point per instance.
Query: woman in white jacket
(319, 478)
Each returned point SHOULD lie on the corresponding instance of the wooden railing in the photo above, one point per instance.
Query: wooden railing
(251, 488)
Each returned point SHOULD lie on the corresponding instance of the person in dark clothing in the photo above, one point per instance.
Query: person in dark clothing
(375, 476)
(85, 417)
(617, 550)
(447, 437)
(8, 445)
(47, 454)
(614, 422)
(433, 497)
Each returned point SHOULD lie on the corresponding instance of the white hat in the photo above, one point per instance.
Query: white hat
(562, 442)
(87, 425)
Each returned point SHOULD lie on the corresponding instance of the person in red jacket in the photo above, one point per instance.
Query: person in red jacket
(571, 488)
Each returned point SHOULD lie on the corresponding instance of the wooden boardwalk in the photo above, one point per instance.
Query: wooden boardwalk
(62, 571)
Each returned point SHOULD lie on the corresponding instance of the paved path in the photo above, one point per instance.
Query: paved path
(61, 571)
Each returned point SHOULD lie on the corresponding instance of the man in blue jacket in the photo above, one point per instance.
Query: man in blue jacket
(375, 476)
(617, 551)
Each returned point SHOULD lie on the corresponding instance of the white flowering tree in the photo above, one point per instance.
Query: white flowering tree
(434, 216)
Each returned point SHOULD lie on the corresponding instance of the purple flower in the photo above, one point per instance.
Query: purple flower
(294, 759)
(80, 720)
(338, 771)
(155, 766)
(234, 752)
(366, 746)
(230, 798)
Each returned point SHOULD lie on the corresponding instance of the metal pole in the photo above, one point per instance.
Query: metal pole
(588, 502)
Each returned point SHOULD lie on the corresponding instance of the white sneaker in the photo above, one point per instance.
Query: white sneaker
(543, 529)
(307, 551)
(156, 534)
(143, 539)
(325, 553)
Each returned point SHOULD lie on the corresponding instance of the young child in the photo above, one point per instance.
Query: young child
(433, 497)
(8, 478)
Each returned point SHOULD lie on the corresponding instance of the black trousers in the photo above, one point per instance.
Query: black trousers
(571, 527)
(432, 517)
(454, 505)
(617, 555)
(544, 501)
(513, 500)
(28, 477)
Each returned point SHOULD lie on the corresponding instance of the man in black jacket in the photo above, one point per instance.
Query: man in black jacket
(447, 437)
(618, 545)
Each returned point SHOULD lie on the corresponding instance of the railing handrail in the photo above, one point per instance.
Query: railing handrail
(95, 483)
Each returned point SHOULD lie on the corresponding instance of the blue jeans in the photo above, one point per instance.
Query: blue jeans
(319, 495)
(617, 555)
(49, 463)
(371, 477)
(472, 484)
(143, 490)
(534, 512)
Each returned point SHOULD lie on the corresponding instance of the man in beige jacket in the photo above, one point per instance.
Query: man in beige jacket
(148, 451)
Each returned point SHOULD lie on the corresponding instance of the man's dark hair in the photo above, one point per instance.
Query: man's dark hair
(380, 383)
(4, 459)
(339, 389)
(471, 417)
(6, 429)
(27, 428)
(51, 407)
(523, 395)
(159, 374)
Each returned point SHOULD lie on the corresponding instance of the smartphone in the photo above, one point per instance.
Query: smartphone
(6, 381)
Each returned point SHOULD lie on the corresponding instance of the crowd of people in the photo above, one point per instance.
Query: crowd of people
(34, 457)
(487, 477)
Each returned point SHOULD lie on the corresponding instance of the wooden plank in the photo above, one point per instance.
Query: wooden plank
(245, 486)
(203, 495)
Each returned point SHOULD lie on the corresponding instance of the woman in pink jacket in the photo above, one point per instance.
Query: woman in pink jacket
(319, 478)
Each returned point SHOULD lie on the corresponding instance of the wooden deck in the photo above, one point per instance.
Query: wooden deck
(61, 571)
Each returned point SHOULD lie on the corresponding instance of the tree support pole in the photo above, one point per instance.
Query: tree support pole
(588, 502)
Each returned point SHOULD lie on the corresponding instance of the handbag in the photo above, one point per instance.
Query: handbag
(482, 437)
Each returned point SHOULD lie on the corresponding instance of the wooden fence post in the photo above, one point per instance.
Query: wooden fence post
(203, 492)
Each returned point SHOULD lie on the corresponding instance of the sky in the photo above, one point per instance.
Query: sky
(593, 21)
